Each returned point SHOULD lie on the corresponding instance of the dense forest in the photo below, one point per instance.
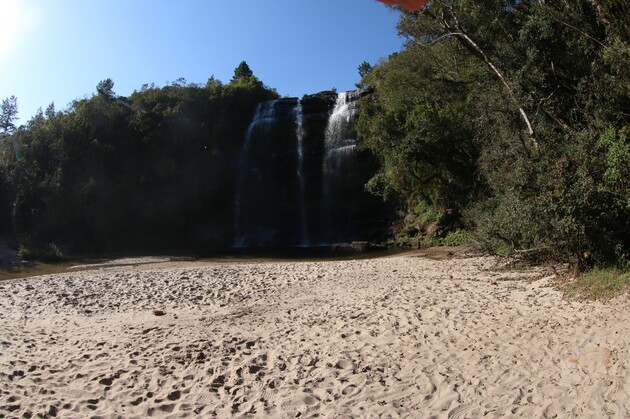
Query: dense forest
(127, 173)
(515, 116)
(505, 122)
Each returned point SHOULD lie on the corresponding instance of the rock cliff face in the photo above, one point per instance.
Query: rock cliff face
(300, 178)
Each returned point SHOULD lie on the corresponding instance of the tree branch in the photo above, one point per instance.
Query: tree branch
(461, 34)
(501, 77)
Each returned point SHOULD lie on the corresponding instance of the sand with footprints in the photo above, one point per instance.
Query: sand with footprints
(402, 336)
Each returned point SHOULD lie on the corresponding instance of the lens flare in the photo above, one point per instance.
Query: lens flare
(16, 150)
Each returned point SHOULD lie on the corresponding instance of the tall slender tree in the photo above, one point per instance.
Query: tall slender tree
(8, 114)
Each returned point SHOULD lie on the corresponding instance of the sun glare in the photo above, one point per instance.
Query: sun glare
(9, 23)
(15, 20)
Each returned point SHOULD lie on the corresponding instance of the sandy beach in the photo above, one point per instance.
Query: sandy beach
(401, 336)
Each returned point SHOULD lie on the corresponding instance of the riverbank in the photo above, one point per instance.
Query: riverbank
(12, 267)
(402, 335)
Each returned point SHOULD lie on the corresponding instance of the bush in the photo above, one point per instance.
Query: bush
(600, 284)
(458, 237)
(51, 253)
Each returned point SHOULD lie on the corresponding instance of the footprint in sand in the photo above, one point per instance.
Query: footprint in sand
(175, 395)
(167, 408)
(460, 412)
(298, 406)
(217, 383)
(106, 381)
(351, 391)
(344, 364)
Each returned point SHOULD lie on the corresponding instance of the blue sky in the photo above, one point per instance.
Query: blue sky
(58, 50)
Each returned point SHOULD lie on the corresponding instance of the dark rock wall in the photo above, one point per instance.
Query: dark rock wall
(274, 210)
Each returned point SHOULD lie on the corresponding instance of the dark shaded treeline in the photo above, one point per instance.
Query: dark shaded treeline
(184, 167)
(516, 115)
(153, 170)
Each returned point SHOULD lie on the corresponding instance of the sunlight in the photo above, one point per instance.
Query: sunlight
(15, 19)
(9, 23)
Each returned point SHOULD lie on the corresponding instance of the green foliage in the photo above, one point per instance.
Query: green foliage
(152, 170)
(50, 253)
(418, 124)
(242, 71)
(458, 237)
(599, 284)
(516, 113)
(424, 215)
(106, 88)
(616, 145)
(8, 114)
(365, 68)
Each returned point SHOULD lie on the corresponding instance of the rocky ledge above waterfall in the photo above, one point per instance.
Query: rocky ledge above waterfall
(315, 106)
(323, 102)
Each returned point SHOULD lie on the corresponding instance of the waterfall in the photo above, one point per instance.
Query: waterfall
(262, 121)
(300, 132)
(339, 148)
(339, 141)
(299, 179)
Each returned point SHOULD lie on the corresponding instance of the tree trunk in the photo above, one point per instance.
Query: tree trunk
(472, 45)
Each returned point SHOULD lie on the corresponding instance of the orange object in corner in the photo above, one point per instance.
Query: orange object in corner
(408, 5)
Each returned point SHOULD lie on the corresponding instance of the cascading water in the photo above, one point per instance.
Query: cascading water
(339, 149)
(300, 179)
(300, 132)
(262, 121)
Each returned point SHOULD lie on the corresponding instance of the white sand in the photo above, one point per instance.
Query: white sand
(399, 337)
